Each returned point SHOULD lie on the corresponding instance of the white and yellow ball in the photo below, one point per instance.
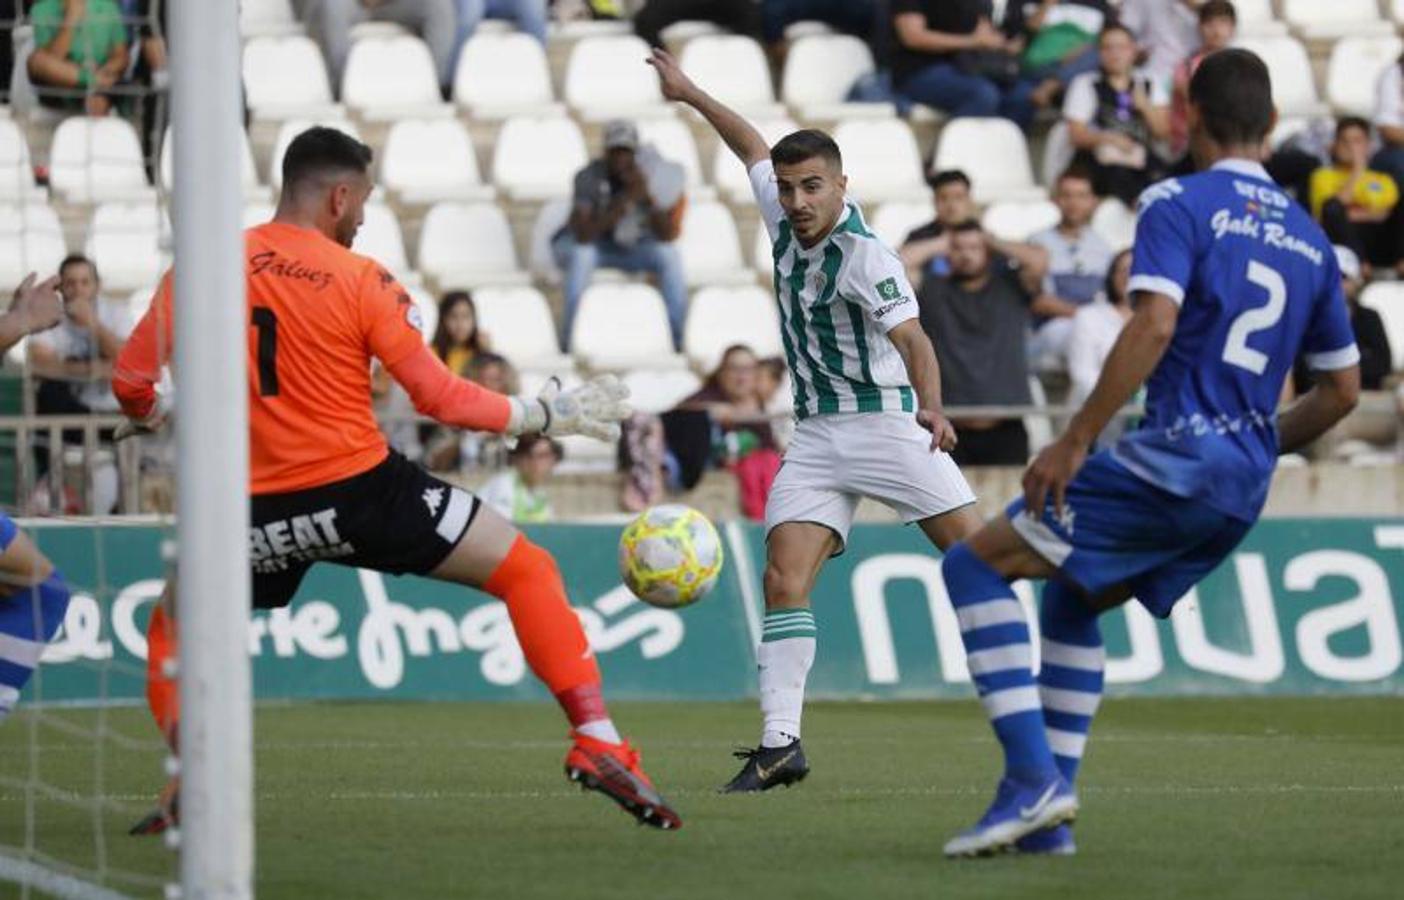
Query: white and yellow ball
(670, 556)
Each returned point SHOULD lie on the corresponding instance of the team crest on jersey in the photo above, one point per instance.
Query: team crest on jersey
(820, 282)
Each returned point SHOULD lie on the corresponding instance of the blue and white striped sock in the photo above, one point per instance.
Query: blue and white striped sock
(998, 652)
(1070, 680)
(783, 660)
(28, 619)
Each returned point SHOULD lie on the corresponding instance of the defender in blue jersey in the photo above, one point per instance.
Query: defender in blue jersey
(1233, 282)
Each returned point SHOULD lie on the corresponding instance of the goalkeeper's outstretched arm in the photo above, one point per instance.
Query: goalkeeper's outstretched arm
(743, 139)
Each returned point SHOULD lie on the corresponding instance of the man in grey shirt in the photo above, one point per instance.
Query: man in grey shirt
(1078, 258)
(625, 214)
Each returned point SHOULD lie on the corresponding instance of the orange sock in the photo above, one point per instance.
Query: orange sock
(554, 642)
(161, 693)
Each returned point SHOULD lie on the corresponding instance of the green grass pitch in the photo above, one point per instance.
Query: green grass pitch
(1270, 798)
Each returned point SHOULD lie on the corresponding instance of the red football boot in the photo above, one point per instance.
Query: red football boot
(613, 770)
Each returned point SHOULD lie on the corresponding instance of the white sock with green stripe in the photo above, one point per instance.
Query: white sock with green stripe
(783, 658)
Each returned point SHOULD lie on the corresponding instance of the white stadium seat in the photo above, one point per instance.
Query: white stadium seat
(517, 320)
(1115, 223)
(1355, 69)
(380, 238)
(16, 171)
(1396, 11)
(31, 240)
(1015, 220)
(248, 173)
(819, 72)
(291, 129)
(729, 175)
(1387, 299)
(994, 154)
(1256, 18)
(710, 246)
(286, 77)
(1293, 87)
(464, 245)
(1057, 154)
(392, 78)
(684, 30)
(97, 159)
(880, 158)
(718, 317)
(431, 159)
(428, 309)
(125, 243)
(265, 17)
(541, 260)
(622, 326)
(1318, 19)
(536, 158)
(674, 142)
(606, 78)
(258, 213)
(659, 391)
(733, 69)
(762, 253)
(896, 219)
(500, 75)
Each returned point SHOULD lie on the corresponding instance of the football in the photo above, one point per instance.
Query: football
(670, 556)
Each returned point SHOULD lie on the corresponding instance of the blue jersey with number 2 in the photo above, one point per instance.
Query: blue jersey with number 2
(1258, 284)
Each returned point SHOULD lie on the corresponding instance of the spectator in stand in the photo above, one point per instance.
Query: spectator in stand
(1060, 38)
(1218, 23)
(626, 213)
(451, 449)
(1168, 30)
(739, 16)
(78, 45)
(1356, 205)
(925, 250)
(1078, 258)
(1095, 328)
(977, 318)
(1389, 120)
(1376, 359)
(1114, 116)
(855, 17)
(519, 493)
(457, 339)
(948, 54)
(530, 17)
(433, 20)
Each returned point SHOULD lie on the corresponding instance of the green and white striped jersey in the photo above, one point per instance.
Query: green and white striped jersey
(838, 300)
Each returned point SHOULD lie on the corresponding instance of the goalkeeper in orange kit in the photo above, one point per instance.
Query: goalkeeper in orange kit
(326, 487)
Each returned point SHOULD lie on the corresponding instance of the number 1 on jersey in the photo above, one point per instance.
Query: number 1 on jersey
(266, 321)
(1261, 318)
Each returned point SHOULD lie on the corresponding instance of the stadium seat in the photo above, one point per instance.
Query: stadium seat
(762, 254)
(286, 77)
(1396, 11)
(291, 129)
(684, 30)
(1293, 87)
(1115, 223)
(465, 245)
(502, 75)
(718, 317)
(1387, 299)
(729, 175)
(518, 322)
(258, 212)
(657, 392)
(606, 78)
(540, 259)
(1256, 19)
(819, 72)
(537, 158)
(392, 78)
(994, 154)
(710, 246)
(125, 242)
(622, 326)
(1014, 220)
(673, 140)
(92, 160)
(425, 160)
(428, 309)
(248, 173)
(267, 17)
(896, 219)
(798, 31)
(138, 300)
(31, 240)
(733, 69)
(16, 171)
(380, 238)
(1355, 69)
(1324, 19)
(881, 159)
(1057, 154)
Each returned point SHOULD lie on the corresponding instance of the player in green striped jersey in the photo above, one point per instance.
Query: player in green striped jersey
(867, 396)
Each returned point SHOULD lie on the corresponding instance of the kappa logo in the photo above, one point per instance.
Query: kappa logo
(433, 498)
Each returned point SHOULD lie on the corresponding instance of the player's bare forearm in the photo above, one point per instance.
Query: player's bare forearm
(924, 373)
(741, 136)
(1333, 396)
(1132, 359)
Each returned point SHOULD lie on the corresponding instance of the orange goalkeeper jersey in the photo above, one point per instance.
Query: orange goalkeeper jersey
(318, 313)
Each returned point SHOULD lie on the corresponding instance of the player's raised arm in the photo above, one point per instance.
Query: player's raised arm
(924, 372)
(137, 368)
(36, 306)
(743, 139)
